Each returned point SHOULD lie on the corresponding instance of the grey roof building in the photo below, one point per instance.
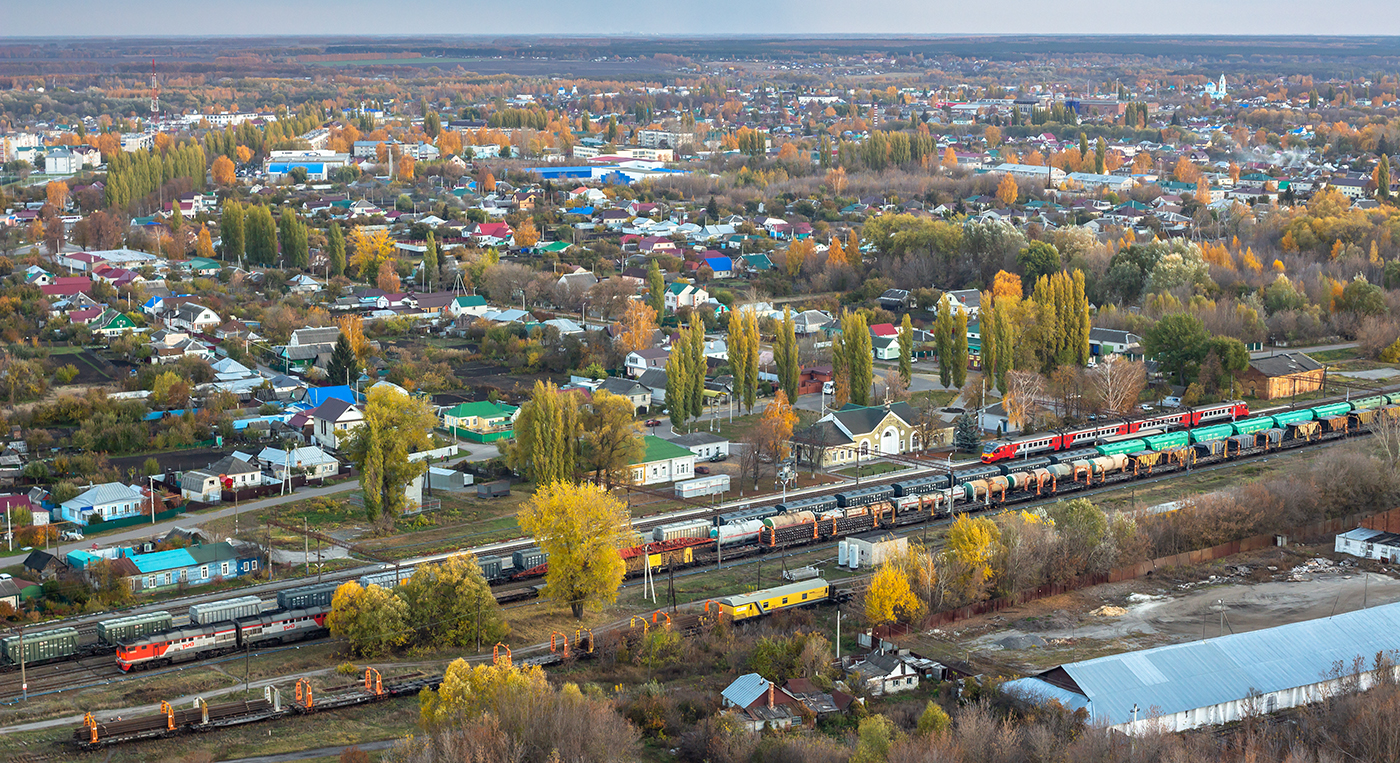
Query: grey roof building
(1219, 680)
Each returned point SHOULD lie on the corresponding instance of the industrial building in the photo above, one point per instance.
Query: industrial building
(1219, 680)
(1369, 544)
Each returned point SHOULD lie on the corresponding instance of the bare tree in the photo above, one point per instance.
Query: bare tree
(1386, 431)
(1023, 394)
(1118, 383)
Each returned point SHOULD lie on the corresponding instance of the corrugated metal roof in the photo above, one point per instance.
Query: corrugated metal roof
(106, 493)
(160, 561)
(746, 689)
(1180, 677)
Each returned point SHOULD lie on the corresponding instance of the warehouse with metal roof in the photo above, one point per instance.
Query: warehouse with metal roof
(1219, 680)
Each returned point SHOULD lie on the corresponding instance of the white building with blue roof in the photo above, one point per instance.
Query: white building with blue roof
(108, 501)
(1221, 680)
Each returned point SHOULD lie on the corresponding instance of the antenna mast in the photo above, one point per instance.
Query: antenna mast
(155, 89)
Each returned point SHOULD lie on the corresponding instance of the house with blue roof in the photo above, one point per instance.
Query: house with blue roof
(723, 267)
(317, 395)
(105, 502)
(200, 564)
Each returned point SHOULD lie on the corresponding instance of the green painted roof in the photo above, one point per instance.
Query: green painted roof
(553, 246)
(661, 450)
(470, 300)
(482, 409)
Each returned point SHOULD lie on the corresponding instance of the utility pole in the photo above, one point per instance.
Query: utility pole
(23, 676)
(306, 536)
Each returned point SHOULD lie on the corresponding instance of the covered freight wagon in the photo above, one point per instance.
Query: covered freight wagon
(307, 596)
(490, 566)
(1256, 424)
(868, 495)
(528, 559)
(1122, 447)
(229, 609)
(1168, 441)
(1332, 411)
(694, 528)
(40, 647)
(815, 505)
(1210, 434)
(120, 629)
(921, 485)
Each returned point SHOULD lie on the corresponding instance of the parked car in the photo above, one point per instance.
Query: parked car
(71, 535)
(702, 470)
(653, 422)
(718, 457)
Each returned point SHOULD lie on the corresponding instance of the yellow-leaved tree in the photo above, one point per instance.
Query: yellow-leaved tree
(204, 244)
(370, 249)
(372, 620)
(612, 439)
(468, 691)
(973, 544)
(1007, 190)
(527, 235)
(450, 604)
(889, 597)
(223, 170)
(638, 326)
(581, 528)
(395, 426)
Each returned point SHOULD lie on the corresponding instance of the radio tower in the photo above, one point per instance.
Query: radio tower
(155, 89)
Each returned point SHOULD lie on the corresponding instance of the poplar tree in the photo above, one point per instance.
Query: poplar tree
(1383, 179)
(738, 355)
(656, 289)
(749, 323)
(231, 231)
(1100, 149)
(906, 350)
(860, 362)
(959, 353)
(335, 250)
(695, 362)
(261, 236)
(293, 235)
(785, 356)
(943, 327)
(678, 386)
(430, 261)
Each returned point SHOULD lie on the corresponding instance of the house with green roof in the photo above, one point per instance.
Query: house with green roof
(553, 247)
(483, 421)
(112, 323)
(468, 304)
(202, 266)
(757, 262)
(663, 461)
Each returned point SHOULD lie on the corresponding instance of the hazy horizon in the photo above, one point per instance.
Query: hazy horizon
(157, 18)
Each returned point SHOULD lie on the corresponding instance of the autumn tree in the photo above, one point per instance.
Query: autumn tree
(204, 243)
(352, 327)
(770, 438)
(395, 426)
(612, 439)
(743, 355)
(403, 169)
(468, 691)
(581, 529)
(950, 158)
(1007, 190)
(973, 544)
(526, 236)
(1024, 390)
(388, 278)
(836, 179)
(835, 254)
(547, 431)
(373, 621)
(638, 327)
(370, 250)
(244, 154)
(796, 255)
(56, 191)
(450, 604)
(889, 597)
(992, 135)
(224, 172)
(292, 232)
(685, 375)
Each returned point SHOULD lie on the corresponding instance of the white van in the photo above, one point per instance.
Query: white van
(828, 388)
(1171, 402)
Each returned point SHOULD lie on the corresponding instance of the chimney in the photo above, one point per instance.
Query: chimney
(770, 696)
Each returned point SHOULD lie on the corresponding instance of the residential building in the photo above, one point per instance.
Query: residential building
(662, 462)
(482, 421)
(680, 295)
(882, 674)
(195, 319)
(705, 445)
(1369, 544)
(195, 565)
(639, 362)
(654, 379)
(636, 394)
(108, 501)
(1283, 375)
(468, 305)
(60, 160)
(1103, 342)
(965, 300)
(759, 704)
(230, 472)
(332, 421)
(309, 461)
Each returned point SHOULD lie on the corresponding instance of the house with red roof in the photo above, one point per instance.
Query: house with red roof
(67, 286)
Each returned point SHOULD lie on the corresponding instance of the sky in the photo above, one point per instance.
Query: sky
(698, 17)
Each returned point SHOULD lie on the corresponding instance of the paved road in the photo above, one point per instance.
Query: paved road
(474, 452)
(1319, 348)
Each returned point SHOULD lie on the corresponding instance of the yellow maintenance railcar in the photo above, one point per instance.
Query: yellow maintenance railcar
(768, 600)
